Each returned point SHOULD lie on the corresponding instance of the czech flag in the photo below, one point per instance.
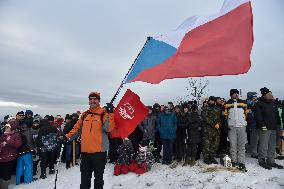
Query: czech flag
(213, 45)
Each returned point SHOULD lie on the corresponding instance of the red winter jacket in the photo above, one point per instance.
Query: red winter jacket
(9, 151)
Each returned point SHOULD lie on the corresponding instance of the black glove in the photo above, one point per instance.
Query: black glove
(109, 107)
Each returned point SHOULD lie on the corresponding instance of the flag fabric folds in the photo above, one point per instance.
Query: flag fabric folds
(129, 112)
(213, 45)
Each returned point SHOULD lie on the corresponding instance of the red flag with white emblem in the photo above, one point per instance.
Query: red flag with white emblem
(129, 113)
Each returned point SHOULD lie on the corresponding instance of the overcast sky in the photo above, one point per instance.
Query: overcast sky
(53, 53)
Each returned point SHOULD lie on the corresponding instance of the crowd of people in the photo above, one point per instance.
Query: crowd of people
(177, 134)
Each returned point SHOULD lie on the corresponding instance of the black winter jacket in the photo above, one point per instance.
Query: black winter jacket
(266, 114)
(194, 127)
(47, 137)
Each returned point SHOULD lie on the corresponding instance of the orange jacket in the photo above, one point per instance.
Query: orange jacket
(93, 132)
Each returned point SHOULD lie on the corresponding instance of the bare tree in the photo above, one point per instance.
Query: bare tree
(196, 89)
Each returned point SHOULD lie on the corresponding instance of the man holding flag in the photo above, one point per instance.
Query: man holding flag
(93, 127)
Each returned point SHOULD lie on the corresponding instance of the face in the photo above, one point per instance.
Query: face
(211, 102)
(269, 96)
(185, 110)
(177, 110)
(219, 101)
(35, 125)
(94, 102)
(20, 117)
(235, 96)
(29, 115)
(150, 111)
(7, 129)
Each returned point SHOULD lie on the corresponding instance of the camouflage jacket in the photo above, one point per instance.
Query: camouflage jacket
(211, 116)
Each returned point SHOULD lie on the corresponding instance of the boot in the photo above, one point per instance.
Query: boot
(43, 176)
(51, 171)
(242, 167)
(192, 161)
(275, 165)
(207, 161)
(213, 160)
(186, 161)
(265, 165)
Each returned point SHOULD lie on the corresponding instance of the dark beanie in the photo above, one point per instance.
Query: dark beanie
(95, 94)
(212, 98)
(233, 91)
(264, 91)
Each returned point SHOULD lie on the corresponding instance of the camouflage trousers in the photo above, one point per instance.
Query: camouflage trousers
(210, 141)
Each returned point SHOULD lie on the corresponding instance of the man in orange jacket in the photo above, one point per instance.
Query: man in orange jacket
(93, 126)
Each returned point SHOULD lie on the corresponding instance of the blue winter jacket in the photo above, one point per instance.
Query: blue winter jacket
(167, 125)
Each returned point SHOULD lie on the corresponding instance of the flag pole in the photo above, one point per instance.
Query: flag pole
(125, 77)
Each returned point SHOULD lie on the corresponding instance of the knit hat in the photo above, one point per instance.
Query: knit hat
(21, 113)
(234, 91)
(212, 98)
(29, 112)
(264, 91)
(95, 95)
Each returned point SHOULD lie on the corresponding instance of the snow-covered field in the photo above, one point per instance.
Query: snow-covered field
(163, 177)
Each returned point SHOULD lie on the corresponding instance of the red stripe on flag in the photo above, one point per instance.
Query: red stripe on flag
(219, 47)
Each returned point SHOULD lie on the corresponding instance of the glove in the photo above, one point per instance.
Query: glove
(263, 128)
(217, 126)
(109, 107)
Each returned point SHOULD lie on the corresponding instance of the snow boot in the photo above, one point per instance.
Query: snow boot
(242, 167)
(213, 160)
(275, 165)
(265, 165)
(207, 161)
(43, 176)
(186, 161)
(51, 171)
(192, 161)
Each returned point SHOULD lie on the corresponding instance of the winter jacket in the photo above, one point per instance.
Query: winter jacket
(47, 139)
(68, 127)
(125, 153)
(266, 114)
(145, 158)
(211, 116)
(9, 151)
(236, 110)
(148, 127)
(93, 127)
(182, 124)
(251, 116)
(193, 129)
(34, 137)
(27, 137)
(167, 125)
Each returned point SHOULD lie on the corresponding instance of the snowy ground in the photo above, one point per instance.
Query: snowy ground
(163, 177)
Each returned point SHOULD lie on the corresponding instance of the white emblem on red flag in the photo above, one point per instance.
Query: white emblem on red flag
(126, 111)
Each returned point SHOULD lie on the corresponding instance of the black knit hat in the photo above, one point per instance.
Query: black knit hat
(212, 98)
(264, 91)
(21, 113)
(234, 91)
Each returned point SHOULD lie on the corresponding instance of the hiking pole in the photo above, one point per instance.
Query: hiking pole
(125, 77)
(57, 163)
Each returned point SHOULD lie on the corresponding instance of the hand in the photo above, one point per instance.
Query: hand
(217, 126)
(109, 107)
(263, 128)
(4, 144)
(8, 138)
